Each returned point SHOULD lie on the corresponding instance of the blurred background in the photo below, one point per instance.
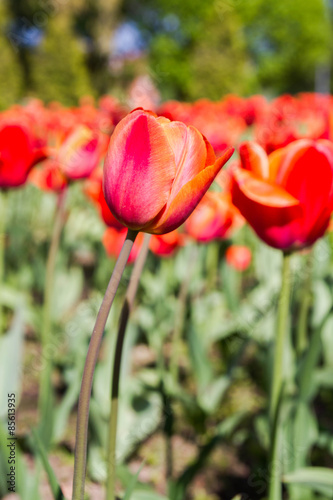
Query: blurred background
(62, 50)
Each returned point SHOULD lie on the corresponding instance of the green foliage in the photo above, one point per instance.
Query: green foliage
(58, 66)
(196, 49)
(207, 49)
(10, 71)
(288, 41)
(217, 400)
(219, 62)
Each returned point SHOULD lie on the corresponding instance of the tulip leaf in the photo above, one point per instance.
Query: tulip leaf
(11, 352)
(327, 339)
(317, 478)
(54, 485)
(130, 488)
(307, 367)
(201, 365)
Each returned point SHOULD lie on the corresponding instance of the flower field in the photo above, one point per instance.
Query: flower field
(166, 299)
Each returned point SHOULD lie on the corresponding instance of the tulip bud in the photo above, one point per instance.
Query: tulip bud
(157, 171)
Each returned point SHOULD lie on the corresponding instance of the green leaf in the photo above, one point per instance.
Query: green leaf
(26, 482)
(202, 367)
(301, 433)
(55, 487)
(322, 302)
(327, 339)
(211, 396)
(316, 478)
(11, 351)
(68, 285)
(63, 410)
(307, 368)
(147, 495)
(132, 484)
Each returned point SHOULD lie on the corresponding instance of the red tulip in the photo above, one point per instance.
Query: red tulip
(211, 219)
(157, 171)
(79, 155)
(164, 245)
(18, 155)
(49, 177)
(239, 257)
(94, 190)
(286, 197)
(113, 240)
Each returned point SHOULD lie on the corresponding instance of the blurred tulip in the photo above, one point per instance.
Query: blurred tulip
(239, 257)
(164, 245)
(287, 197)
(48, 177)
(290, 118)
(18, 154)
(113, 240)
(157, 171)
(80, 154)
(211, 219)
(94, 190)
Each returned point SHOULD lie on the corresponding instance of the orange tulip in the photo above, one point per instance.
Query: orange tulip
(94, 190)
(80, 153)
(287, 197)
(211, 219)
(157, 171)
(165, 245)
(113, 240)
(239, 257)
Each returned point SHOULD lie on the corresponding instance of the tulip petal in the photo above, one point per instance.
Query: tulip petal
(307, 173)
(275, 159)
(79, 154)
(183, 204)
(139, 170)
(211, 218)
(261, 191)
(16, 155)
(269, 209)
(190, 153)
(254, 159)
(210, 158)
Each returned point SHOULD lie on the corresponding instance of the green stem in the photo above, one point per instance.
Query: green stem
(45, 394)
(306, 299)
(180, 314)
(124, 315)
(89, 368)
(212, 263)
(168, 432)
(3, 214)
(275, 488)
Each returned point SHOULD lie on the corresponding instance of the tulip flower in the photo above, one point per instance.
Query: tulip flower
(157, 171)
(287, 197)
(164, 245)
(113, 240)
(211, 219)
(49, 177)
(239, 257)
(18, 154)
(94, 190)
(79, 155)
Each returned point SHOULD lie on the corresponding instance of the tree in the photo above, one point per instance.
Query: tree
(195, 49)
(287, 41)
(11, 82)
(219, 62)
(58, 66)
